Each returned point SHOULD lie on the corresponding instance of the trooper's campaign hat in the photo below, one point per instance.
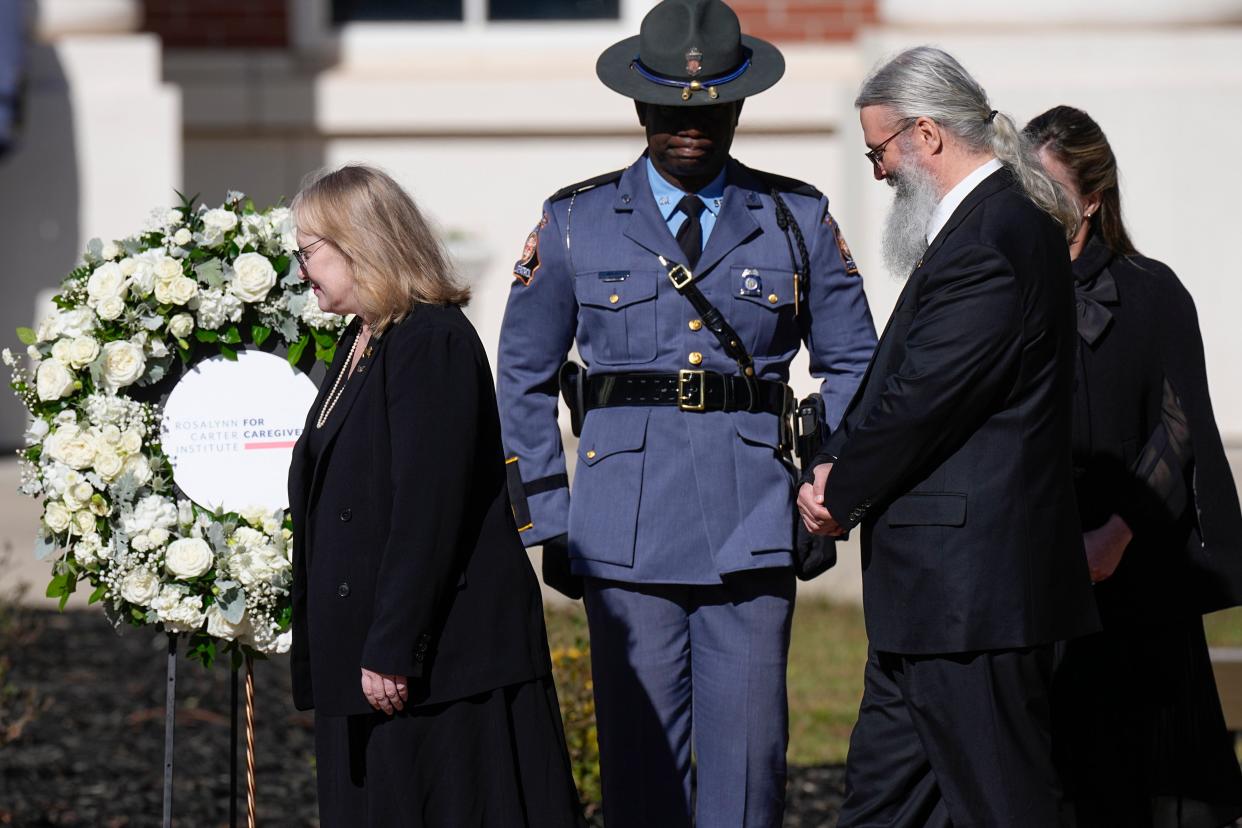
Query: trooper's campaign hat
(690, 53)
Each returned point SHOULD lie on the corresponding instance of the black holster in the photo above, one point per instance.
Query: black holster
(572, 380)
(813, 554)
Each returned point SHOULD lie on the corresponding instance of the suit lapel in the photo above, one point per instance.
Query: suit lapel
(350, 393)
(994, 183)
(991, 185)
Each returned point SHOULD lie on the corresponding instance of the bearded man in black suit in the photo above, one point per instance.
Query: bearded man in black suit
(954, 457)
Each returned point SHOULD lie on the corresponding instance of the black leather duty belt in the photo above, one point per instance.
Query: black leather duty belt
(689, 390)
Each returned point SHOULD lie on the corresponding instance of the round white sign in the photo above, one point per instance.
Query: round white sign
(229, 429)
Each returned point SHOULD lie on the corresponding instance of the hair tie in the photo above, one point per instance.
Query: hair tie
(991, 116)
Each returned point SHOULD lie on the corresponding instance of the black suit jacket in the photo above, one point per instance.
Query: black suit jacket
(406, 557)
(955, 453)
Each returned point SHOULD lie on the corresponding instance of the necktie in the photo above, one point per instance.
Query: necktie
(690, 234)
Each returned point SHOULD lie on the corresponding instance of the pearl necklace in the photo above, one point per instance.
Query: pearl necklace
(338, 387)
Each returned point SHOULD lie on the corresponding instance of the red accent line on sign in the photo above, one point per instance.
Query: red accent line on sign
(276, 445)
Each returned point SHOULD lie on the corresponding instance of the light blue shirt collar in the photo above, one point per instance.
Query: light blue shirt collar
(667, 196)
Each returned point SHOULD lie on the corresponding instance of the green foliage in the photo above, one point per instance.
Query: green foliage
(27, 336)
(297, 349)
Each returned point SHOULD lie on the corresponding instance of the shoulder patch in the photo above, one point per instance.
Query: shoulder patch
(847, 258)
(785, 184)
(528, 263)
(589, 184)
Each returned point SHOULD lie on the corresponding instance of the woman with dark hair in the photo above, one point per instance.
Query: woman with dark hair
(1139, 730)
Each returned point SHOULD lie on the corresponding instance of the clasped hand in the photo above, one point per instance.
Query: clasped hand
(385, 692)
(815, 517)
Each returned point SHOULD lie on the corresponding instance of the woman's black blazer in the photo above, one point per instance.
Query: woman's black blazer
(406, 559)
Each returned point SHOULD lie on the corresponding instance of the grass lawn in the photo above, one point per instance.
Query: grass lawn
(826, 659)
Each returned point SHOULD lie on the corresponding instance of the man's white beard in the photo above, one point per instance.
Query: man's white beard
(905, 230)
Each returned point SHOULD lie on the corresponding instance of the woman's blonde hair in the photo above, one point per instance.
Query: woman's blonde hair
(396, 258)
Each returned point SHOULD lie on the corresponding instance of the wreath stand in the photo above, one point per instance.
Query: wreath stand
(169, 716)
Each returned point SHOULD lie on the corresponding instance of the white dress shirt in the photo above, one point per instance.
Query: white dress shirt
(957, 195)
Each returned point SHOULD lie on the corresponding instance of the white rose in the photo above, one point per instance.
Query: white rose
(53, 380)
(216, 223)
(131, 441)
(167, 269)
(140, 587)
(109, 465)
(253, 277)
(176, 291)
(139, 468)
(110, 250)
(183, 237)
(56, 516)
(181, 325)
(110, 434)
(188, 557)
(110, 308)
(71, 446)
(78, 494)
(84, 522)
(82, 351)
(123, 364)
(219, 627)
(105, 282)
(60, 351)
(128, 266)
(158, 536)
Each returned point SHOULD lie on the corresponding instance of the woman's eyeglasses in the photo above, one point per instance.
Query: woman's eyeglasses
(303, 254)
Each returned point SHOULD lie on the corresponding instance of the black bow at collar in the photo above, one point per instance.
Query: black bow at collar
(1094, 287)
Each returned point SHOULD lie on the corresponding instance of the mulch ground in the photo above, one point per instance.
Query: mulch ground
(94, 755)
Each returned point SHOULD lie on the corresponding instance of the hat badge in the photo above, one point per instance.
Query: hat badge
(694, 61)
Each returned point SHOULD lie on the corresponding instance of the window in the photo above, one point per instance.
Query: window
(349, 11)
(553, 9)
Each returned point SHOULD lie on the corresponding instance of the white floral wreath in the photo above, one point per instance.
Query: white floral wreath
(196, 283)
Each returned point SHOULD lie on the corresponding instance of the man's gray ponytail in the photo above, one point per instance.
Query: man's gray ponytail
(929, 82)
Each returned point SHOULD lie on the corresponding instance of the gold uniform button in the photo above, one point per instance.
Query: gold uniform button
(614, 299)
(695, 357)
(773, 298)
(696, 324)
(591, 454)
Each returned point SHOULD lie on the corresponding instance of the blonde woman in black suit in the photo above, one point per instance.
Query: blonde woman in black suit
(418, 627)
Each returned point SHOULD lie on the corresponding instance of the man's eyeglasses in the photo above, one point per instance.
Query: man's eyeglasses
(876, 156)
(303, 254)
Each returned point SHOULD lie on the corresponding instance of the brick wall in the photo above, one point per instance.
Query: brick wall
(804, 20)
(218, 24)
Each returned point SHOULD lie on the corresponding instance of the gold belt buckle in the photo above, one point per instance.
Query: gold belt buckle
(685, 400)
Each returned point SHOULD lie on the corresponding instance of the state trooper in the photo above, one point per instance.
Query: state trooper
(688, 282)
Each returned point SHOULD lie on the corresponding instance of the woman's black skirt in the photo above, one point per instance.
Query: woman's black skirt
(497, 760)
